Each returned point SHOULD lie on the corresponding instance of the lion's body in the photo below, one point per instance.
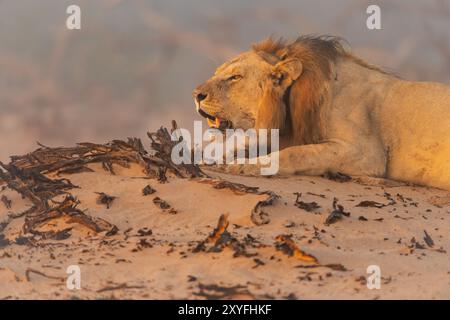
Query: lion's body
(395, 128)
(415, 126)
(338, 113)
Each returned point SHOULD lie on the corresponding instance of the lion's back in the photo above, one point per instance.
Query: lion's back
(416, 128)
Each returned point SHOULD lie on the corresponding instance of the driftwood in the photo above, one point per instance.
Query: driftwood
(6, 201)
(120, 287)
(162, 144)
(30, 271)
(285, 244)
(220, 238)
(34, 176)
(337, 214)
(258, 215)
(307, 206)
(105, 199)
(216, 292)
(31, 176)
(68, 207)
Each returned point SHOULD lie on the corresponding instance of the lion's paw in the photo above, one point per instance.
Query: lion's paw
(243, 169)
(236, 169)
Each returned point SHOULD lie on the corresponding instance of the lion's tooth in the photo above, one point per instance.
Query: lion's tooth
(217, 122)
(210, 122)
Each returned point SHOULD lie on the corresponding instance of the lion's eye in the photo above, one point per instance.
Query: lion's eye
(235, 77)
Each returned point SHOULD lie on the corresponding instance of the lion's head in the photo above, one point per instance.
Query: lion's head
(276, 85)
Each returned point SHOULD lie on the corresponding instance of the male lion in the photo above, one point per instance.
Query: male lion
(335, 112)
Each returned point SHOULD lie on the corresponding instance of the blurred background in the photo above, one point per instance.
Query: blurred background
(133, 64)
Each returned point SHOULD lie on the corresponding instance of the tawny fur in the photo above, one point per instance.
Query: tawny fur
(335, 111)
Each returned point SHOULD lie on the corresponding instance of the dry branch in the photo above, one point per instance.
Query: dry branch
(258, 215)
(30, 176)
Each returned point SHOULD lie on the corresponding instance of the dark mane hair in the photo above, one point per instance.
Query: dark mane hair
(307, 97)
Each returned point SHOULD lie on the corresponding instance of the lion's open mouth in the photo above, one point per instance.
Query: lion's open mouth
(215, 122)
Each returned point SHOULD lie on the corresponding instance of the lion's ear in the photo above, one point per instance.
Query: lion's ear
(285, 72)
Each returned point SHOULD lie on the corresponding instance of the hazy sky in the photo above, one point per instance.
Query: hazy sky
(133, 64)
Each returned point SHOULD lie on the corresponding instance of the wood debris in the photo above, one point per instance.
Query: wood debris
(68, 207)
(162, 144)
(220, 238)
(29, 175)
(148, 190)
(307, 206)
(332, 266)
(375, 204)
(119, 287)
(239, 188)
(161, 203)
(6, 201)
(105, 199)
(370, 203)
(42, 274)
(285, 244)
(337, 176)
(216, 292)
(337, 214)
(428, 240)
(144, 232)
(3, 241)
(258, 215)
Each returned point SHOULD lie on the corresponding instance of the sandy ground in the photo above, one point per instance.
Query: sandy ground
(163, 264)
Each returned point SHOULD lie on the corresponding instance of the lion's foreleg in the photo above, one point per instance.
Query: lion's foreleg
(313, 159)
(316, 159)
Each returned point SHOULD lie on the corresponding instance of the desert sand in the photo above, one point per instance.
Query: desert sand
(161, 250)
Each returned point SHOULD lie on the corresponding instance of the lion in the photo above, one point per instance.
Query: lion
(335, 112)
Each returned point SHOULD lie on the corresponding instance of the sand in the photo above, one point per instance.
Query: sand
(134, 264)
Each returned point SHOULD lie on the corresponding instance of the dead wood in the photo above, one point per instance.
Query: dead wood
(119, 287)
(285, 244)
(258, 215)
(30, 270)
(31, 176)
(337, 214)
(105, 199)
(7, 202)
(220, 238)
(307, 206)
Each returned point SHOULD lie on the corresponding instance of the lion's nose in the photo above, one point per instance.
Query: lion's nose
(200, 97)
